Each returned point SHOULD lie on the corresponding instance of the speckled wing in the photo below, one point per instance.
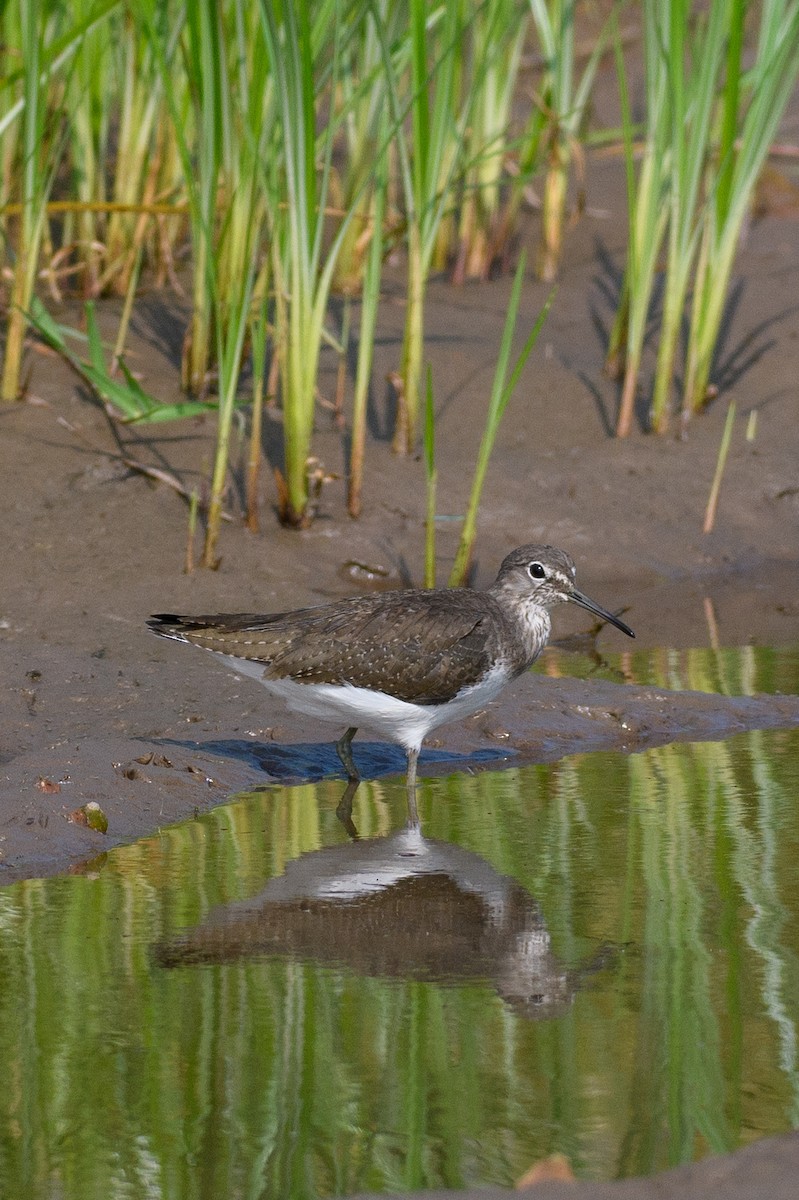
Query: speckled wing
(422, 647)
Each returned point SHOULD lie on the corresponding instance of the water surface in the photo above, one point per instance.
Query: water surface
(598, 956)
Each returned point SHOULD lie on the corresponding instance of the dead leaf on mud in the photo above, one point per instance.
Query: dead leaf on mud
(374, 576)
(153, 760)
(49, 786)
(555, 1168)
(192, 770)
(91, 816)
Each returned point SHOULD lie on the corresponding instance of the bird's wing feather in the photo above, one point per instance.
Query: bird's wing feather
(421, 647)
(418, 651)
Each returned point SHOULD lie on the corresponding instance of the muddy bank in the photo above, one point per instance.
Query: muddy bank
(767, 1168)
(158, 745)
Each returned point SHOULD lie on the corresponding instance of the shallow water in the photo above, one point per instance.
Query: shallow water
(598, 956)
(725, 670)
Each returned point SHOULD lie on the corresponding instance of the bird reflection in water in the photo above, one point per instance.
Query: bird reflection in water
(396, 907)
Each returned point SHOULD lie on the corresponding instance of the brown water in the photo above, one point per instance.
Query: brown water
(598, 956)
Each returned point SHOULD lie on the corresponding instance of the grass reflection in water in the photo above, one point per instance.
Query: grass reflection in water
(202, 1014)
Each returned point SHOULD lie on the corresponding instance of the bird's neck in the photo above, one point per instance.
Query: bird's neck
(531, 621)
(534, 628)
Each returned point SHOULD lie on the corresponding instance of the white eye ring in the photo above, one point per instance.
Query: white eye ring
(536, 571)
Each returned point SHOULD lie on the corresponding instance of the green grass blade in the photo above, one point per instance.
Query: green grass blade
(129, 398)
(48, 328)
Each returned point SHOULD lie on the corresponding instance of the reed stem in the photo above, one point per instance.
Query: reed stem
(431, 477)
(35, 172)
(715, 488)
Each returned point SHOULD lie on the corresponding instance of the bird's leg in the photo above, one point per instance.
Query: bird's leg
(344, 809)
(413, 814)
(344, 751)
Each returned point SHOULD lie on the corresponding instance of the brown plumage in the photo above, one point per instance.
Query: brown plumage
(421, 647)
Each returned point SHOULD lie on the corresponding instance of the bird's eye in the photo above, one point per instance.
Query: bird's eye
(537, 571)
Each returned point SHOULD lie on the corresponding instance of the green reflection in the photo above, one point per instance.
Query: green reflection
(312, 1073)
(728, 671)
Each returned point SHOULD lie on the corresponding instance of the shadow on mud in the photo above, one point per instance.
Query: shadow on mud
(309, 762)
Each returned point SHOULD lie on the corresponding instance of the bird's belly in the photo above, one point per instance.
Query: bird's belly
(397, 720)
